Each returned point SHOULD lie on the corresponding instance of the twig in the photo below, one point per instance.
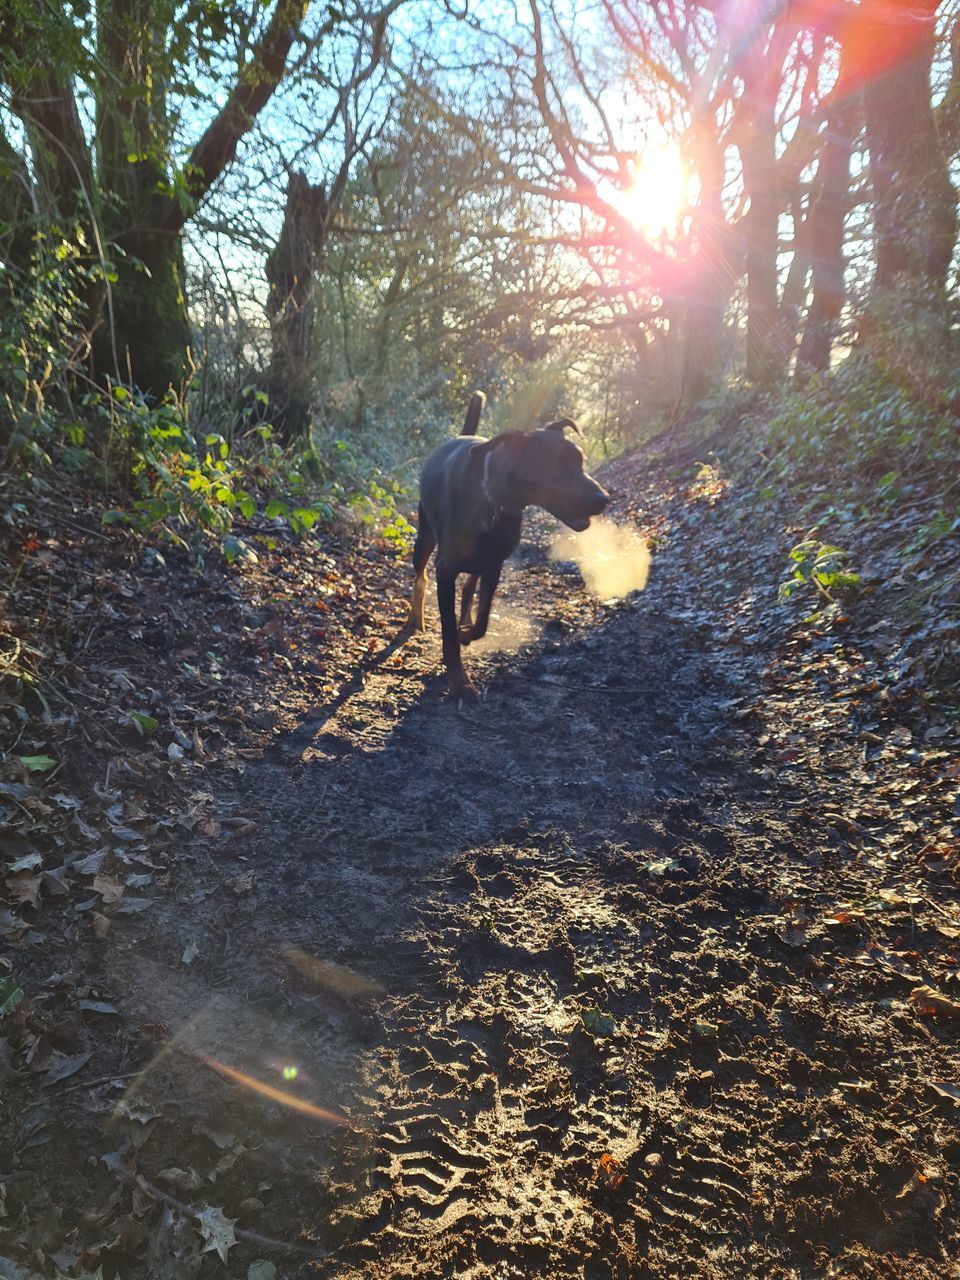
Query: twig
(266, 1242)
(92, 1084)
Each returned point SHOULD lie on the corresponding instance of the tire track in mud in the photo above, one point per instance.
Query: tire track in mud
(570, 904)
(509, 838)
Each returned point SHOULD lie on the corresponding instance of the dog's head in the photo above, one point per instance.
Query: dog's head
(543, 469)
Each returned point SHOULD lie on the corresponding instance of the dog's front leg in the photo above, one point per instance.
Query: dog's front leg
(488, 587)
(447, 600)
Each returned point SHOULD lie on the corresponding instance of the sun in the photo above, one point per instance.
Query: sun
(656, 197)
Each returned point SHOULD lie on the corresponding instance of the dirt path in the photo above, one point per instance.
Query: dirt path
(597, 990)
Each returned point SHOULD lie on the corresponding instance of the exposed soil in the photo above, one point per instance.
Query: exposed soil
(619, 971)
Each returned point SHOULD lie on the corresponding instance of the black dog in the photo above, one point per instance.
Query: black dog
(472, 496)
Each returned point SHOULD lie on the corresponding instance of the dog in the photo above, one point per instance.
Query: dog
(473, 493)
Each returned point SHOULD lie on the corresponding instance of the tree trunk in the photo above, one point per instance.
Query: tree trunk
(291, 305)
(948, 112)
(826, 234)
(388, 306)
(756, 130)
(795, 285)
(710, 283)
(144, 337)
(915, 216)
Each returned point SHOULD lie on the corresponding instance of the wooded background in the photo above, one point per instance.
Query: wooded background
(331, 215)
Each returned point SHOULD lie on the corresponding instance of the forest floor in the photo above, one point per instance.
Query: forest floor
(644, 964)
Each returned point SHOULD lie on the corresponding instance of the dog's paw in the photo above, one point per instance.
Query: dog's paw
(460, 685)
(465, 634)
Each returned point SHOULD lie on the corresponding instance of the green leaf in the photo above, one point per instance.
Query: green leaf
(37, 764)
(598, 1023)
(305, 516)
(145, 724)
(10, 995)
(235, 548)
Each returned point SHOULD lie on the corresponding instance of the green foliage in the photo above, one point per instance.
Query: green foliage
(819, 565)
(862, 428)
(186, 482)
(40, 343)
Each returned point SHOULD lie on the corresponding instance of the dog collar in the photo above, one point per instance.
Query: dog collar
(498, 509)
(485, 484)
(489, 520)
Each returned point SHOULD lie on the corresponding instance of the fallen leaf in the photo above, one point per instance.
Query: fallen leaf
(10, 995)
(597, 1023)
(180, 1179)
(100, 924)
(37, 764)
(929, 1000)
(218, 1231)
(97, 1006)
(27, 863)
(62, 1067)
(109, 889)
(660, 866)
(261, 1270)
(25, 888)
(945, 1090)
(611, 1170)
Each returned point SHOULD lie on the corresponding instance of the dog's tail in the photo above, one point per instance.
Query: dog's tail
(474, 410)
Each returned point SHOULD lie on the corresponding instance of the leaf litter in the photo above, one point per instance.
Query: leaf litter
(764, 853)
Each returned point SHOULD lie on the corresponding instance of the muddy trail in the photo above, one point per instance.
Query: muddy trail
(613, 972)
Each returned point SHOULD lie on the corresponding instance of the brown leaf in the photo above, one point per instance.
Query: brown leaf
(929, 1000)
(109, 889)
(610, 1170)
(100, 924)
(25, 888)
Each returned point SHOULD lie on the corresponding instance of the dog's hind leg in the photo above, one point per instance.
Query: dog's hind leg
(488, 587)
(422, 551)
(466, 609)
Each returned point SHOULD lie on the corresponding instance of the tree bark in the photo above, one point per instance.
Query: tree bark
(756, 130)
(291, 306)
(915, 215)
(948, 112)
(826, 234)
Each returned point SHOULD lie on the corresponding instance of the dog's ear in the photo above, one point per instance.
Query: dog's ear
(560, 424)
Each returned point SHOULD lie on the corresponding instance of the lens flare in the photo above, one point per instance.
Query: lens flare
(268, 1091)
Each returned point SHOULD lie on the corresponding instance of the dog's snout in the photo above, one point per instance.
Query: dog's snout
(600, 501)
